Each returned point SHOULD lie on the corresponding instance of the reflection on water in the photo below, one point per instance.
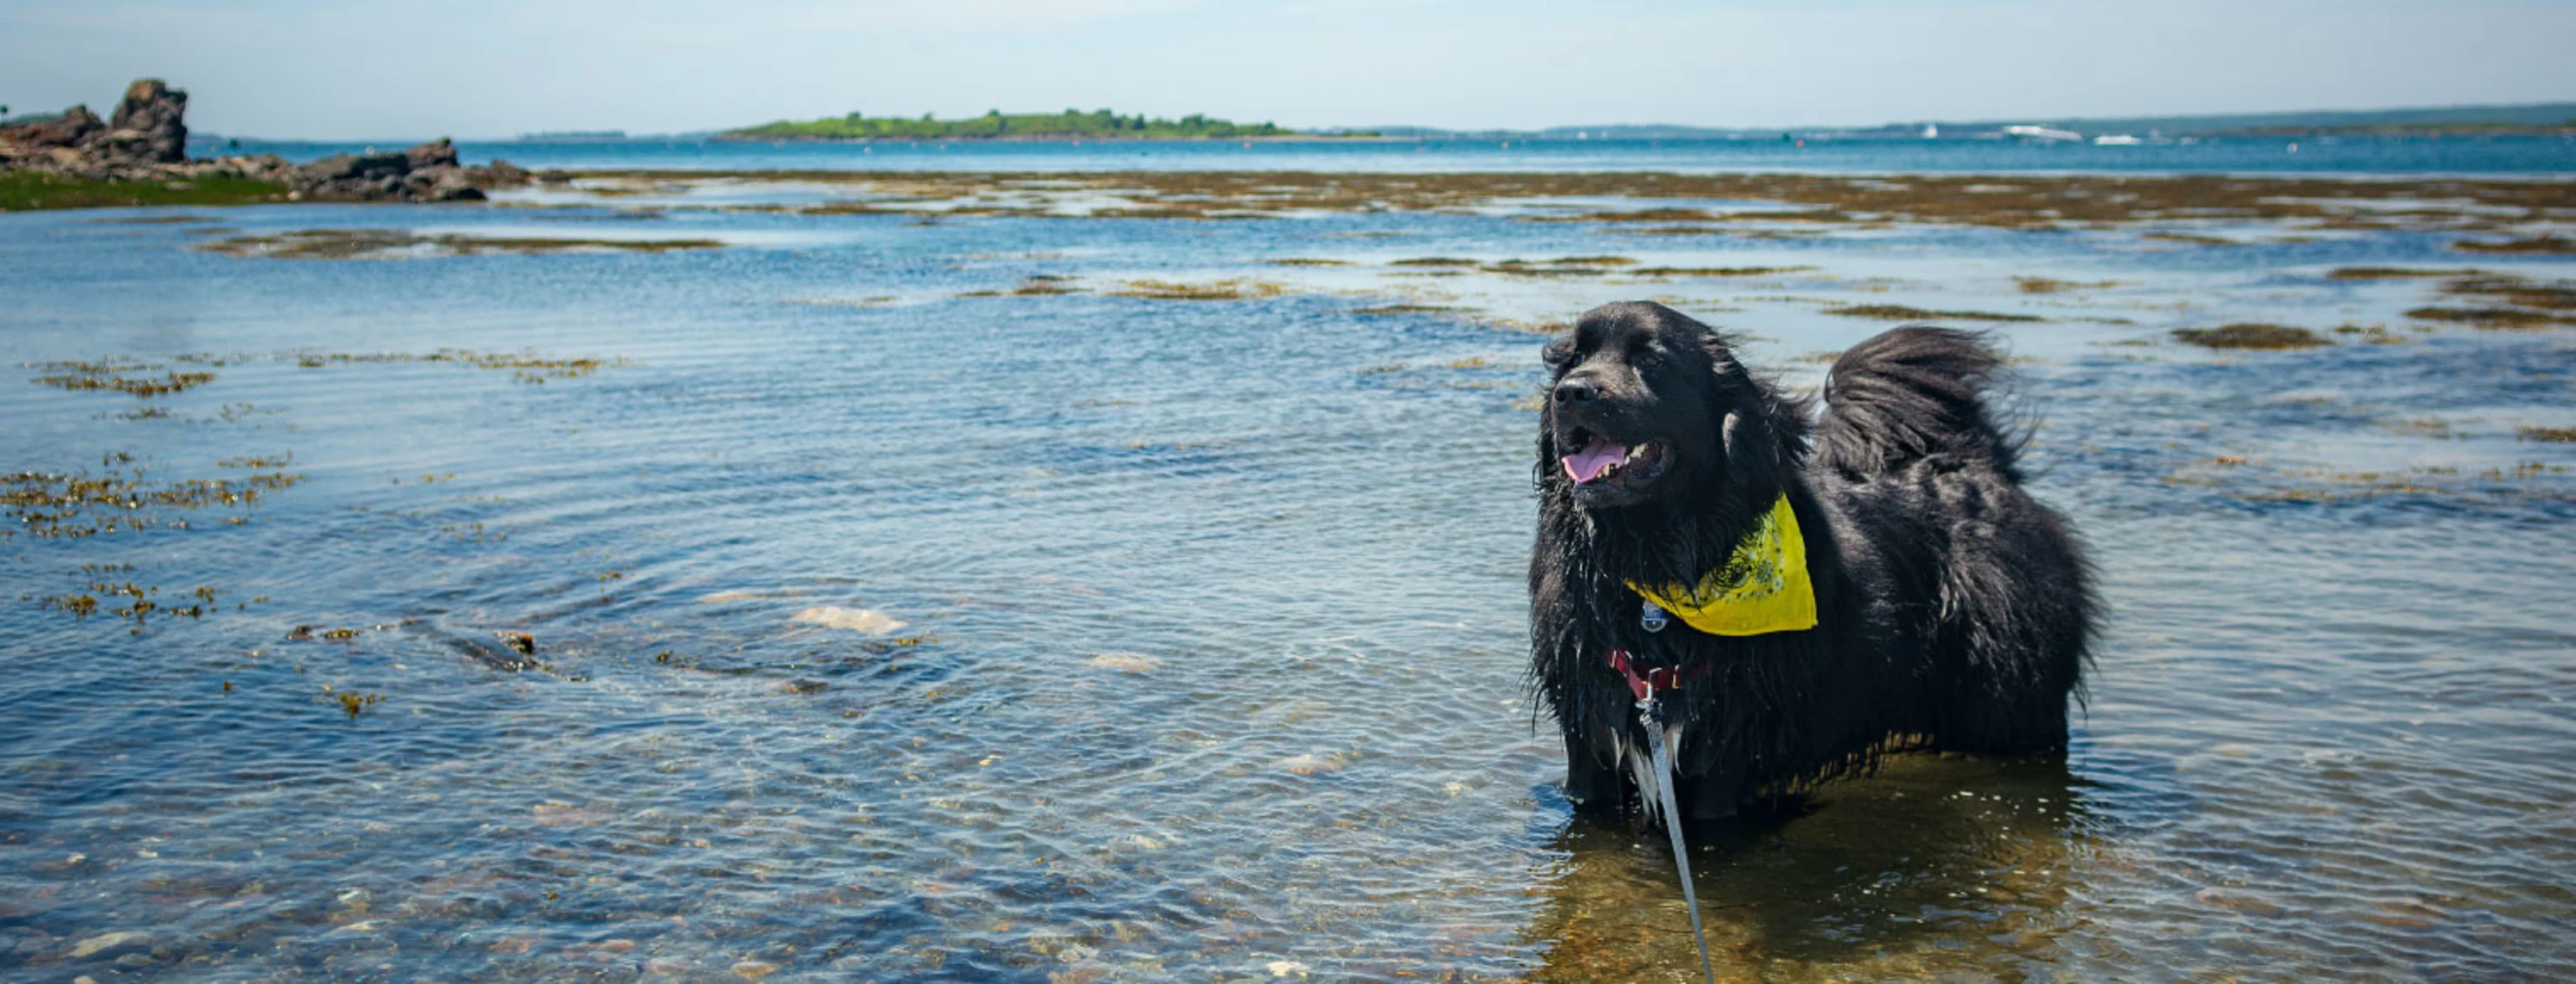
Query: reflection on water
(1072, 600)
(1937, 863)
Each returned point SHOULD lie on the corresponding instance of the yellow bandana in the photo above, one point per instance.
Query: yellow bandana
(1763, 587)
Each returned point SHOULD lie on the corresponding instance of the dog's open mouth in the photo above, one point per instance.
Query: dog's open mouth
(1604, 462)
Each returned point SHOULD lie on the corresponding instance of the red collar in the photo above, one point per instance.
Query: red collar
(1656, 678)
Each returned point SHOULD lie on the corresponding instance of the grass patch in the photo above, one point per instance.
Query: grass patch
(2251, 335)
(25, 191)
(1301, 261)
(1899, 312)
(1435, 261)
(2549, 435)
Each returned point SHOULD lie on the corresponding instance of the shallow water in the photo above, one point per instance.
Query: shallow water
(1212, 625)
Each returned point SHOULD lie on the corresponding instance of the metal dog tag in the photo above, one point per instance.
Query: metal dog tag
(1651, 617)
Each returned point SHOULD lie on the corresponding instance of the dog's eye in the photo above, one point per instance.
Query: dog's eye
(1646, 356)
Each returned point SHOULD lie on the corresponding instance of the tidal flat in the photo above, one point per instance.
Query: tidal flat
(1117, 575)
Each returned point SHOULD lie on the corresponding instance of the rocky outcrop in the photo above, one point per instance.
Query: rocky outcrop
(427, 173)
(147, 139)
(149, 124)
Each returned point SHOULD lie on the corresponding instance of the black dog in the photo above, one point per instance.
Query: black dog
(1936, 605)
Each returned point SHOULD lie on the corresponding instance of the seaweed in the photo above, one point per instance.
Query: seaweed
(2387, 273)
(2515, 290)
(1899, 312)
(107, 375)
(2191, 238)
(2493, 318)
(2561, 245)
(1745, 271)
(2251, 335)
(1220, 290)
(354, 244)
(2045, 285)
(2025, 202)
(79, 504)
(355, 703)
(2548, 435)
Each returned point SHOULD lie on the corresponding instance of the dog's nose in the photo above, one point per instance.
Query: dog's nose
(1577, 391)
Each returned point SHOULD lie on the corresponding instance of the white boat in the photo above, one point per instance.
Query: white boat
(2041, 133)
(2116, 140)
(1931, 131)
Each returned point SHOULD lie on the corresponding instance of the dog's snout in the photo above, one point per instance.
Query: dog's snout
(1577, 390)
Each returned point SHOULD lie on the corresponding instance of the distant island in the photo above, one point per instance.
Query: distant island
(572, 136)
(1072, 124)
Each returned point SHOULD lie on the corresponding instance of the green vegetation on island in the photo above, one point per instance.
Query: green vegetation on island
(1072, 124)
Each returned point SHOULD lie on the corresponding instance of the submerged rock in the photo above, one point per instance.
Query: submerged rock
(854, 619)
(108, 943)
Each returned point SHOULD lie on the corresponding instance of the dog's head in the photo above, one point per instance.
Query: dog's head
(1646, 406)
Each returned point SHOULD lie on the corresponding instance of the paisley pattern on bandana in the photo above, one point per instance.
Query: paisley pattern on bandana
(1761, 589)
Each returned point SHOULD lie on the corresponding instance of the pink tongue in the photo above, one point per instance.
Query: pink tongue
(1597, 457)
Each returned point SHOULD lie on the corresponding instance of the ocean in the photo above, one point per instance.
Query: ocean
(1040, 562)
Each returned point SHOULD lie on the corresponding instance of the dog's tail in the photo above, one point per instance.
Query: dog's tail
(1910, 394)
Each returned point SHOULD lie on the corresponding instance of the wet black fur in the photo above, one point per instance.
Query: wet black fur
(1954, 611)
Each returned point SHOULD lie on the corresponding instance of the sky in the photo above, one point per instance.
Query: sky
(357, 69)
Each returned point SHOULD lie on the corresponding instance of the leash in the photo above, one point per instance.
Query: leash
(1650, 710)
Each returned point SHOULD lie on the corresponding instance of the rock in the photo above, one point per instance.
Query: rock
(148, 125)
(754, 969)
(854, 619)
(147, 140)
(75, 126)
(453, 185)
(427, 173)
(501, 174)
(1127, 662)
(436, 153)
(108, 942)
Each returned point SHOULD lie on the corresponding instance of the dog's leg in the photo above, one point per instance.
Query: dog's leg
(1712, 795)
(1591, 786)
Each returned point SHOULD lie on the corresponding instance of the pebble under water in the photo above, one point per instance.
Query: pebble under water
(1100, 599)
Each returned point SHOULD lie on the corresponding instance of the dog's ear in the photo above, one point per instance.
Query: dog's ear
(1761, 435)
(1558, 354)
